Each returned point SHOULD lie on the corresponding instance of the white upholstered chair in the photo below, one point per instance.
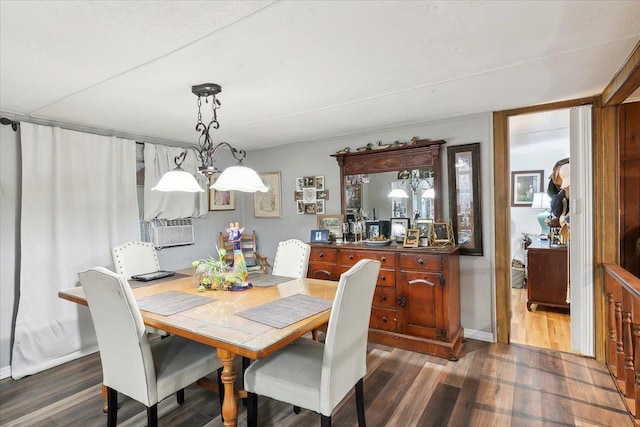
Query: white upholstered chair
(146, 372)
(133, 258)
(292, 259)
(318, 376)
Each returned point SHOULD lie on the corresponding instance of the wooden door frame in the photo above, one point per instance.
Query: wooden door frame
(605, 206)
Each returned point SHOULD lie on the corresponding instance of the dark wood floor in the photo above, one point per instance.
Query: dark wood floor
(491, 385)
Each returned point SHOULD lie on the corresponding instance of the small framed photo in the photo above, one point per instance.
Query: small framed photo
(443, 233)
(308, 181)
(398, 228)
(320, 236)
(333, 223)
(267, 205)
(411, 238)
(523, 185)
(322, 195)
(426, 230)
(221, 200)
(372, 230)
(300, 207)
(320, 206)
(319, 182)
(310, 208)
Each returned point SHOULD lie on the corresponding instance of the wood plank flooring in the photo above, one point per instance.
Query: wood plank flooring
(491, 385)
(546, 327)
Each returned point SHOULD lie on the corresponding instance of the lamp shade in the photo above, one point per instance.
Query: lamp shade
(541, 201)
(429, 193)
(178, 180)
(240, 178)
(398, 193)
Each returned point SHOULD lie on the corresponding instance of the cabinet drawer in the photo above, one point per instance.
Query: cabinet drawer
(386, 259)
(384, 297)
(386, 277)
(324, 271)
(383, 318)
(321, 254)
(421, 261)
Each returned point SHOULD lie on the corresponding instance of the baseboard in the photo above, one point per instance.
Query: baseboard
(5, 372)
(479, 335)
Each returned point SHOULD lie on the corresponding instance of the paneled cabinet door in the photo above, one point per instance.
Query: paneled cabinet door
(420, 305)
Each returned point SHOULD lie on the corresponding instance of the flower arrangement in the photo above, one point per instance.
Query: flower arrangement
(211, 272)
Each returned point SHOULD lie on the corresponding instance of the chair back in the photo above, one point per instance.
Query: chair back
(345, 349)
(134, 258)
(127, 361)
(292, 259)
(249, 247)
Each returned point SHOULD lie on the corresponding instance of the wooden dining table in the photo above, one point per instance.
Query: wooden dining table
(217, 325)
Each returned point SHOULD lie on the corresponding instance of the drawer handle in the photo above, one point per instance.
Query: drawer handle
(384, 319)
(383, 278)
(402, 301)
(320, 255)
(350, 256)
(420, 261)
(383, 259)
(383, 297)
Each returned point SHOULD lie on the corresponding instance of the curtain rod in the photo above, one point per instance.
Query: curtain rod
(140, 139)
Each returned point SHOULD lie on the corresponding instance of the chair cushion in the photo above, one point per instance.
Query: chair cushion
(290, 375)
(180, 362)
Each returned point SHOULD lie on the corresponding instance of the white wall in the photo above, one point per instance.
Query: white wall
(476, 273)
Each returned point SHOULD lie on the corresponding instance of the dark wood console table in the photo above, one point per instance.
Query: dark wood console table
(548, 271)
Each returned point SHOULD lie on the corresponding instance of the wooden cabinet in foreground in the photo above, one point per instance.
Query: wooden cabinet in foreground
(416, 305)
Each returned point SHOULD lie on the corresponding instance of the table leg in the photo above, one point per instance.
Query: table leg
(230, 405)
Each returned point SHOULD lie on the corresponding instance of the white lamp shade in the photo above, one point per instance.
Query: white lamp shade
(541, 201)
(178, 180)
(239, 178)
(398, 193)
(429, 193)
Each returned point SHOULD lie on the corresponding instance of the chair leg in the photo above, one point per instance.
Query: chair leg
(152, 416)
(360, 403)
(245, 364)
(325, 421)
(112, 407)
(220, 388)
(180, 396)
(252, 410)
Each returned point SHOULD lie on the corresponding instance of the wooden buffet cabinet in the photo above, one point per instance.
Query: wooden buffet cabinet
(416, 305)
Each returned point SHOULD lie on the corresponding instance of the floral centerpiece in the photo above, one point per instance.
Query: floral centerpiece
(211, 272)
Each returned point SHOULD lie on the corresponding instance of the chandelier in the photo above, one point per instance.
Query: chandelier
(237, 177)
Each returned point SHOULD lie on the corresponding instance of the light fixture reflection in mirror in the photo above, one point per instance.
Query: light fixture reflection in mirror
(398, 193)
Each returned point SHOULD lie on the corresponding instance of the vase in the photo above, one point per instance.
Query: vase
(240, 265)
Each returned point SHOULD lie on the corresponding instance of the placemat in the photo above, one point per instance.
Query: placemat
(262, 280)
(172, 302)
(138, 284)
(286, 311)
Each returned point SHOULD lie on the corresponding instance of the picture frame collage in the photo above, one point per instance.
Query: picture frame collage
(310, 195)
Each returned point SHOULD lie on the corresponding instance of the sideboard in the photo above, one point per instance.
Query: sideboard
(416, 305)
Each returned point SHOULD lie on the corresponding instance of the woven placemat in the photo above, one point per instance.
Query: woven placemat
(262, 280)
(172, 302)
(286, 311)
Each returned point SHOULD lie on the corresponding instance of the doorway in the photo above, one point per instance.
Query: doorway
(539, 276)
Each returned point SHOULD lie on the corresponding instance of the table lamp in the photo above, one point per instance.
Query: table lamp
(541, 201)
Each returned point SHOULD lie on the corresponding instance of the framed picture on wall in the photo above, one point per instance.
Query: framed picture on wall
(220, 200)
(523, 185)
(267, 205)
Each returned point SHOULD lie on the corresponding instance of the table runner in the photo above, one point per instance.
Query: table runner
(172, 302)
(286, 311)
(262, 280)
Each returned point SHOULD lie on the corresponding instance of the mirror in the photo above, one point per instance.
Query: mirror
(370, 194)
(369, 176)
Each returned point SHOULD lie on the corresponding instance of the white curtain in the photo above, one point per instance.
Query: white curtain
(78, 200)
(159, 159)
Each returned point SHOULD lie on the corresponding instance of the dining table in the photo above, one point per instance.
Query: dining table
(253, 323)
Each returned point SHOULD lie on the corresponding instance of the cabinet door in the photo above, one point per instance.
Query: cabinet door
(420, 311)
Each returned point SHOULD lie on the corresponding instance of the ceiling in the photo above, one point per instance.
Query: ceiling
(295, 71)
